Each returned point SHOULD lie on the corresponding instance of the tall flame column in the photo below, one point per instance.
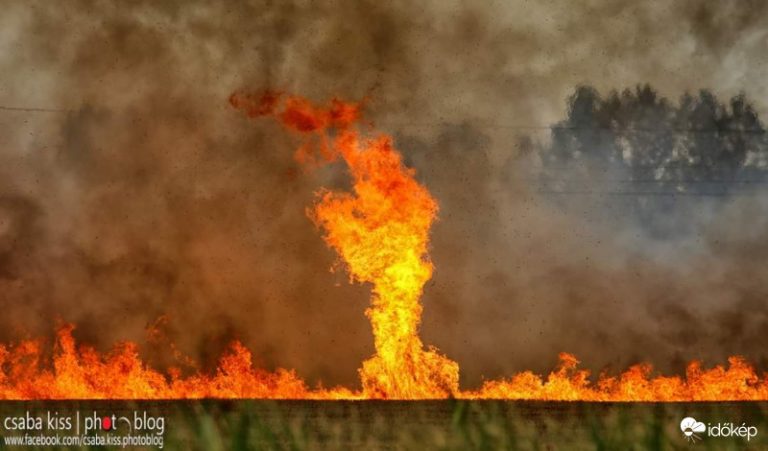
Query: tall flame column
(381, 230)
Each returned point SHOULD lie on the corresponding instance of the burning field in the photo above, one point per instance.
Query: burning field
(381, 231)
(506, 270)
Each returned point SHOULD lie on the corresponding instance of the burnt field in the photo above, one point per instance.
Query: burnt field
(450, 424)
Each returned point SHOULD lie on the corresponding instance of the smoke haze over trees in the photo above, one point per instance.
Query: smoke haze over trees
(653, 159)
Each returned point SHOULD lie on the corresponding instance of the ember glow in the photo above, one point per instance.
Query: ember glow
(381, 232)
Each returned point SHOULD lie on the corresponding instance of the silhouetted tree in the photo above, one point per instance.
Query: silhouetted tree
(639, 146)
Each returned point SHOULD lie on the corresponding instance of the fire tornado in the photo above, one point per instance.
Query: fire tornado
(381, 231)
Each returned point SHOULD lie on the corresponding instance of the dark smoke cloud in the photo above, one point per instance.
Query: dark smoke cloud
(148, 197)
(718, 27)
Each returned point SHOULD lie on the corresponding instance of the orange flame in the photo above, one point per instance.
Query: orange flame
(381, 230)
(85, 374)
(738, 382)
(82, 373)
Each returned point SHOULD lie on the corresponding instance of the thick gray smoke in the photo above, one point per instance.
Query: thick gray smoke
(130, 191)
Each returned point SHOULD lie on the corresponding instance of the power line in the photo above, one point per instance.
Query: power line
(32, 110)
(671, 181)
(573, 127)
(485, 124)
(643, 193)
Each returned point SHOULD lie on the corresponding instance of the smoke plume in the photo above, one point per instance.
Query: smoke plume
(132, 197)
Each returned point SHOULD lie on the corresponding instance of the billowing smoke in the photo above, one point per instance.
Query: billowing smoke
(133, 197)
(636, 235)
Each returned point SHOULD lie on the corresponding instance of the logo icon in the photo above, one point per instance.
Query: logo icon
(691, 427)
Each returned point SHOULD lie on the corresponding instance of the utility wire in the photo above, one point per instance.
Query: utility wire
(481, 123)
(757, 131)
(32, 110)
